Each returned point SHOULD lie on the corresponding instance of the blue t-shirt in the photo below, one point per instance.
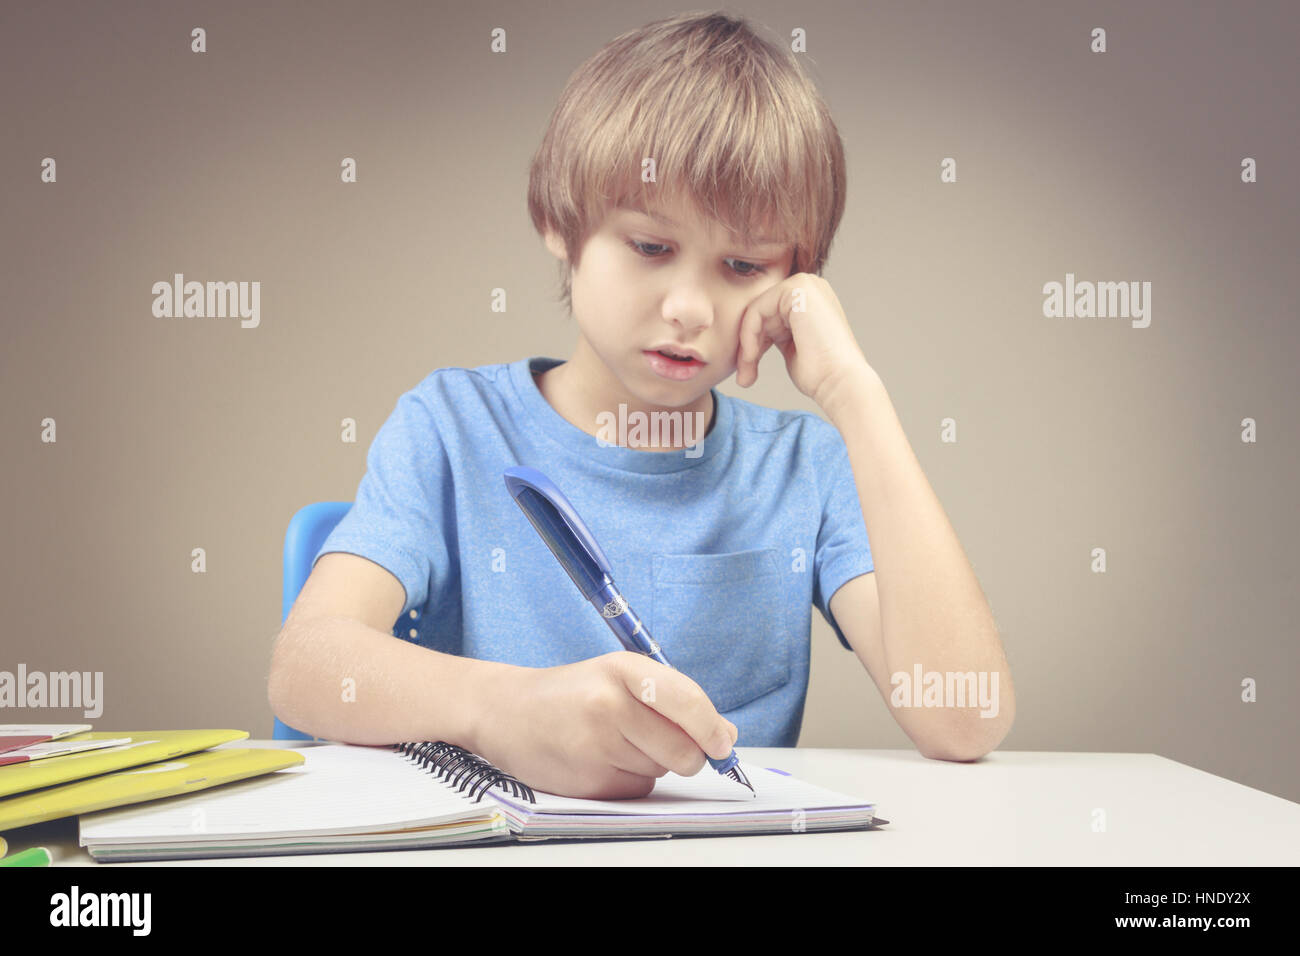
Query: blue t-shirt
(722, 555)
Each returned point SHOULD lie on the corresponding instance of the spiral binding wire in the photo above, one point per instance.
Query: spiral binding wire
(463, 769)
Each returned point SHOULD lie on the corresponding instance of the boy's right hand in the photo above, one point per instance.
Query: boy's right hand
(602, 728)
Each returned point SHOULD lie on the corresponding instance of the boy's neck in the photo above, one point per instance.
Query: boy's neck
(569, 405)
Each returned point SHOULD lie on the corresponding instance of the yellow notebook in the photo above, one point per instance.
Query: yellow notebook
(138, 784)
(146, 746)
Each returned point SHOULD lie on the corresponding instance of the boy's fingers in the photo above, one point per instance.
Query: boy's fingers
(633, 756)
(677, 697)
(751, 325)
(661, 742)
(753, 361)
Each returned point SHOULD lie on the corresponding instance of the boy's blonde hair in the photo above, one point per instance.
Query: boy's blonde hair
(731, 120)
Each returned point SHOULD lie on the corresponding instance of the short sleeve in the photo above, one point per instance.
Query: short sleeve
(397, 519)
(843, 551)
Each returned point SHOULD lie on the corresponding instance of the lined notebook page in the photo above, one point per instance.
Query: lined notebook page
(708, 792)
(340, 788)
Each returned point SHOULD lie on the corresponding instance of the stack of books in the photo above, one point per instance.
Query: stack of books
(135, 794)
(48, 771)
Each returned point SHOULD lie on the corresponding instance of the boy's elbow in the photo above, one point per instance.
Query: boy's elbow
(278, 677)
(970, 739)
(952, 750)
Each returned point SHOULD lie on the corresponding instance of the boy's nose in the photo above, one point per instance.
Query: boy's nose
(689, 310)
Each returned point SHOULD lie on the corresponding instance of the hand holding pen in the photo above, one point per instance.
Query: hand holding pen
(573, 545)
(590, 729)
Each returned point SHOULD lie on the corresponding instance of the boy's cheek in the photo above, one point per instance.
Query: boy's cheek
(732, 362)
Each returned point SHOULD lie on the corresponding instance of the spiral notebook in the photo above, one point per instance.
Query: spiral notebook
(346, 797)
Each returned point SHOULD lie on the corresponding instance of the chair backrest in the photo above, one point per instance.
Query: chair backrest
(308, 530)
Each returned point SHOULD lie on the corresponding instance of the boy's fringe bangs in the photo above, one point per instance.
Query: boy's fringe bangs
(733, 127)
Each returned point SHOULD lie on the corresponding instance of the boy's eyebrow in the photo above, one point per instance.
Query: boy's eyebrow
(761, 241)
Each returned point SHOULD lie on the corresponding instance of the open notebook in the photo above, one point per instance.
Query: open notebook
(347, 797)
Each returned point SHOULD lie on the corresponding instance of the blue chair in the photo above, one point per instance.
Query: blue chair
(308, 530)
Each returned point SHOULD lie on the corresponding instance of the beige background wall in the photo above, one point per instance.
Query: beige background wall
(1073, 434)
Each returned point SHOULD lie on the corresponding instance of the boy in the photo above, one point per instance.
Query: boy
(690, 183)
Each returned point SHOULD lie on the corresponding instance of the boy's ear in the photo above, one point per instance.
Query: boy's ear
(556, 245)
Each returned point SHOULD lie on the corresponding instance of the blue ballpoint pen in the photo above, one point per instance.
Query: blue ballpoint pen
(576, 549)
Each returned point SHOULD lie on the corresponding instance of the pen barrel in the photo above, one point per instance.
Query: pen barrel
(622, 620)
(725, 764)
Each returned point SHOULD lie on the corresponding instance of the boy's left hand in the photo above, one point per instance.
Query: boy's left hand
(802, 317)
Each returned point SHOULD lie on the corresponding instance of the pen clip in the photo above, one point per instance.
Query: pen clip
(560, 526)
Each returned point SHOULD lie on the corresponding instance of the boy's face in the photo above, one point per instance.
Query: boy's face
(687, 284)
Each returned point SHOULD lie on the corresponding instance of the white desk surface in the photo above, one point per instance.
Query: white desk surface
(1012, 808)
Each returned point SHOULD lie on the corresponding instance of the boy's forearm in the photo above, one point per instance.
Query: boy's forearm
(933, 610)
(338, 679)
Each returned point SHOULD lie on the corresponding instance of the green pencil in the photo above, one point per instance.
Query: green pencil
(36, 856)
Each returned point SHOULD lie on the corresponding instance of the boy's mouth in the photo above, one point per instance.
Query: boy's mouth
(676, 369)
(682, 358)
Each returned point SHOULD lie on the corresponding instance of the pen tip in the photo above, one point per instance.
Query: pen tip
(735, 773)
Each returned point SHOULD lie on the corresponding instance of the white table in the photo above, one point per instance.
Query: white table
(1014, 808)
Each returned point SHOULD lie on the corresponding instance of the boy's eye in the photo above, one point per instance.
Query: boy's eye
(646, 250)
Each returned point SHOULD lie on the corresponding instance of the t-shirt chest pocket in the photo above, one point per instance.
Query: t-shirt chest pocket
(720, 619)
